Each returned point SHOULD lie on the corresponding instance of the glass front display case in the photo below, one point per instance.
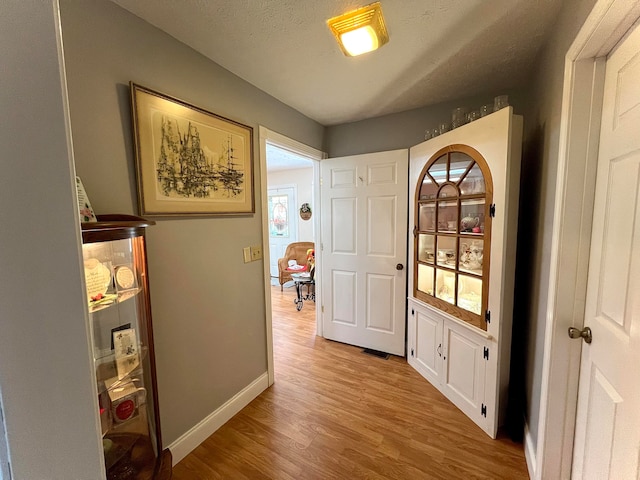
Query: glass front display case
(117, 295)
(452, 234)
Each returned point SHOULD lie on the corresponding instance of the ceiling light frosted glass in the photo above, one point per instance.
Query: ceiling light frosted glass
(359, 41)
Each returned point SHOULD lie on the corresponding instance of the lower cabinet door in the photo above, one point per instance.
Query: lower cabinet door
(464, 367)
(428, 348)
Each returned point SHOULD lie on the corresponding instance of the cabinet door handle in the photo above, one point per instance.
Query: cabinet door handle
(440, 349)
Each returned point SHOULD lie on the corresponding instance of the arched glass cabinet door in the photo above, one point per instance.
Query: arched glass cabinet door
(452, 233)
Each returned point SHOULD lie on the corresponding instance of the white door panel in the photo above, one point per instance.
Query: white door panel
(607, 437)
(364, 229)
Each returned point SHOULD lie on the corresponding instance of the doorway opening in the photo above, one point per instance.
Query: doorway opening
(290, 215)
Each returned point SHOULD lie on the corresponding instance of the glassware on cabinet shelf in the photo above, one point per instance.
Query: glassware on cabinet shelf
(458, 117)
(500, 102)
(445, 285)
(446, 255)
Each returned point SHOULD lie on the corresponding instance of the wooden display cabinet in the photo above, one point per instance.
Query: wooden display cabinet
(117, 285)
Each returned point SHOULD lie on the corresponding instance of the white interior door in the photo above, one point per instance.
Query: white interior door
(364, 242)
(283, 226)
(607, 435)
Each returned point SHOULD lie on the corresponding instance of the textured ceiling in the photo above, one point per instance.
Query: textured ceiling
(438, 50)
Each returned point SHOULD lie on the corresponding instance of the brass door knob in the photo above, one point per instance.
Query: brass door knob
(585, 334)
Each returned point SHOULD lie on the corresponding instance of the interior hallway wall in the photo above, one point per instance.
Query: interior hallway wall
(537, 193)
(302, 178)
(210, 336)
(48, 394)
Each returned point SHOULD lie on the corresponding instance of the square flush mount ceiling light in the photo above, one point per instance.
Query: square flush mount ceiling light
(361, 30)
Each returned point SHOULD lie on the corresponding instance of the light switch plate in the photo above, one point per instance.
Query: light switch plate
(246, 252)
(256, 252)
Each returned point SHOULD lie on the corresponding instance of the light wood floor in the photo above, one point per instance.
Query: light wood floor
(337, 413)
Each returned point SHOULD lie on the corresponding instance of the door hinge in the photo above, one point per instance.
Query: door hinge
(483, 410)
(492, 210)
(320, 181)
(487, 316)
(322, 308)
(412, 352)
(486, 353)
(415, 231)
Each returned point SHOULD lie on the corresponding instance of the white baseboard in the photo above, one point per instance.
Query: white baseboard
(529, 452)
(199, 433)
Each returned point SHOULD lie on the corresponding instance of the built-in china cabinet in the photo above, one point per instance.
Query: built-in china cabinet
(463, 205)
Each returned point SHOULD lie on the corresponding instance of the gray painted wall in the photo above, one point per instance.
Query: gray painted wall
(538, 188)
(404, 129)
(46, 378)
(208, 306)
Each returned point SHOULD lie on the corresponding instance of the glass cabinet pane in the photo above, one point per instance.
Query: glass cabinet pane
(438, 170)
(458, 165)
(470, 293)
(425, 279)
(427, 217)
(471, 256)
(472, 216)
(451, 236)
(446, 251)
(473, 182)
(426, 244)
(447, 216)
(428, 189)
(445, 285)
(448, 191)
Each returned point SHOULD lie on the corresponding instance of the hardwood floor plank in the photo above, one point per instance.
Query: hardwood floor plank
(336, 413)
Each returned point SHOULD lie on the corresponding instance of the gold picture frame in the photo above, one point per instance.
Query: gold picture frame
(189, 161)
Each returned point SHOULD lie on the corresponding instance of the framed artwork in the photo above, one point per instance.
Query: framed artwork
(189, 161)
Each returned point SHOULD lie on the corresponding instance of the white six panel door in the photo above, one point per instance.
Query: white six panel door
(364, 238)
(607, 437)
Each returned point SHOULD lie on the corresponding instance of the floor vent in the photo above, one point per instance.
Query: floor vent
(376, 353)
